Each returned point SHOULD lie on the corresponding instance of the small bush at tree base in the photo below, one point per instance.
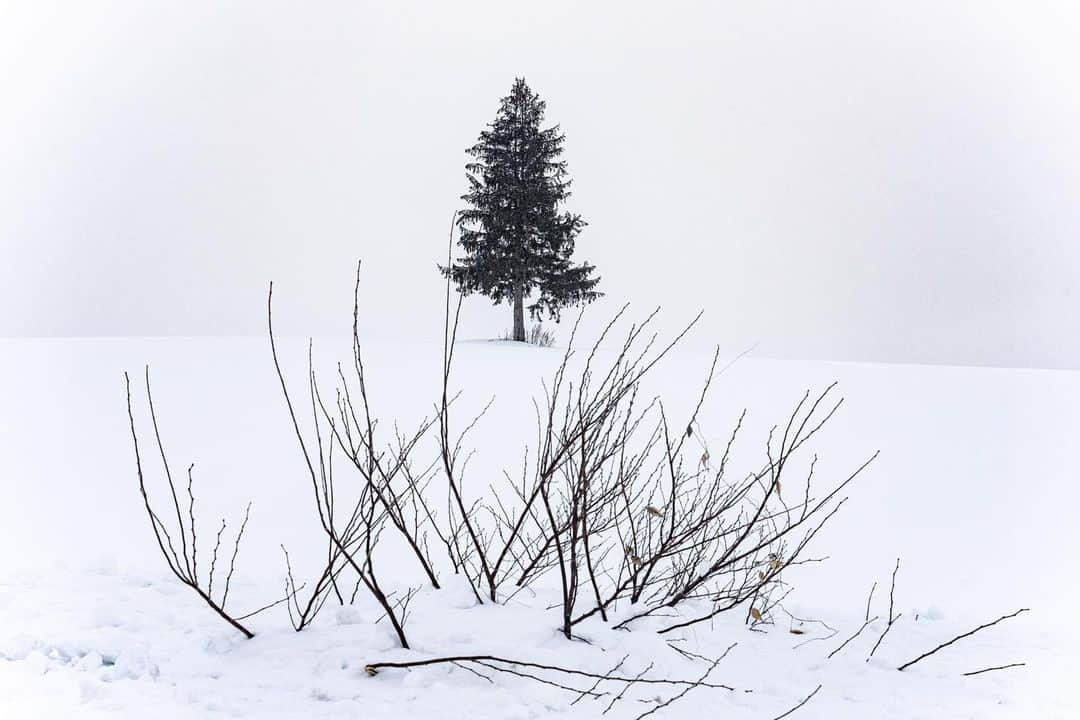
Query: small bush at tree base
(537, 335)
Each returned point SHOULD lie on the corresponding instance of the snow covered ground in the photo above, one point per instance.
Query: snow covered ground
(975, 490)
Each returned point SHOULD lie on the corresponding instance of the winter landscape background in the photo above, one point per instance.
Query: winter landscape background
(833, 180)
(878, 196)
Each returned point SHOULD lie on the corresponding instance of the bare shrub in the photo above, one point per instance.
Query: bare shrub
(641, 523)
(180, 545)
(537, 335)
(612, 684)
(632, 514)
(540, 336)
(626, 508)
(389, 494)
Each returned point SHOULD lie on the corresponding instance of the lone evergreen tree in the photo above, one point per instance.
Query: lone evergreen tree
(516, 240)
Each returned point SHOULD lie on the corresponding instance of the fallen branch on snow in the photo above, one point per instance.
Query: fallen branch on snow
(961, 637)
(803, 702)
(991, 669)
(519, 667)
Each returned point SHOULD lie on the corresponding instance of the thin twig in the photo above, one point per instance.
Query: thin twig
(883, 634)
(628, 685)
(859, 632)
(991, 669)
(961, 637)
(680, 695)
(803, 702)
(374, 668)
(596, 684)
(266, 607)
(891, 618)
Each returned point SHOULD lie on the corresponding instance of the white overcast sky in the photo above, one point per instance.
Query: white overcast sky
(851, 180)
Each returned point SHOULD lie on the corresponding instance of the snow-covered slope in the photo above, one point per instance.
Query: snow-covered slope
(974, 491)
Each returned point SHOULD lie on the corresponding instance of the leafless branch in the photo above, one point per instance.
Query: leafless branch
(991, 669)
(688, 688)
(183, 564)
(961, 637)
(801, 703)
(891, 618)
(857, 633)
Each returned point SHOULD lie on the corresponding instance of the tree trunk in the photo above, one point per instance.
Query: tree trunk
(519, 316)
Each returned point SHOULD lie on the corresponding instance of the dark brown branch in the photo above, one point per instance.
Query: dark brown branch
(182, 565)
(961, 637)
(626, 687)
(688, 688)
(596, 684)
(374, 668)
(545, 681)
(857, 633)
(991, 669)
(273, 604)
(236, 550)
(891, 618)
(363, 524)
(882, 637)
(801, 703)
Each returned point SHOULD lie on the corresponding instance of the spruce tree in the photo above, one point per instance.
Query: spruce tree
(517, 242)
